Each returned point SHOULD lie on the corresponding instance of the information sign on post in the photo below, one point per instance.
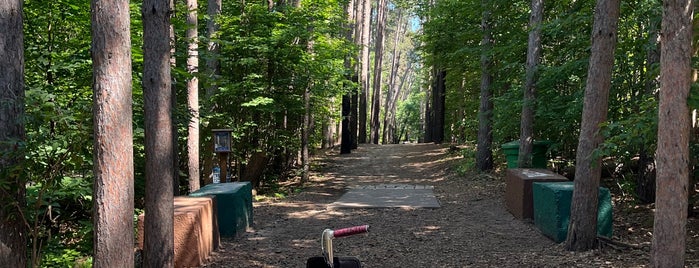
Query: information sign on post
(222, 146)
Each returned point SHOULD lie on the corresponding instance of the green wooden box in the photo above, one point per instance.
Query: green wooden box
(233, 204)
(552, 209)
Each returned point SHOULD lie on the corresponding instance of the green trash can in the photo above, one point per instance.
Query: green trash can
(511, 150)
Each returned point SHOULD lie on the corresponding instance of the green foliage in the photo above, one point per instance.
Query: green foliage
(468, 164)
(452, 37)
(408, 115)
(59, 131)
(269, 59)
(65, 258)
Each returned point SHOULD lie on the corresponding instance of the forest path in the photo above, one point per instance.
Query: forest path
(470, 229)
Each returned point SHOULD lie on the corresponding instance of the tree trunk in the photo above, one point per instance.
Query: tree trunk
(484, 153)
(645, 175)
(193, 96)
(305, 133)
(428, 117)
(158, 247)
(173, 64)
(345, 143)
(354, 112)
(378, 62)
(113, 200)
(213, 70)
(364, 73)
(394, 101)
(582, 230)
(213, 65)
(395, 64)
(13, 237)
(438, 106)
(307, 120)
(669, 226)
(528, 105)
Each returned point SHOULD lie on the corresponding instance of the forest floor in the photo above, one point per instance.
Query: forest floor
(471, 228)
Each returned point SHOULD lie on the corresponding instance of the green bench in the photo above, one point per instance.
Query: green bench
(233, 205)
(552, 209)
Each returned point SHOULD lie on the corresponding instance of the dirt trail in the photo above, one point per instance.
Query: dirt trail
(471, 229)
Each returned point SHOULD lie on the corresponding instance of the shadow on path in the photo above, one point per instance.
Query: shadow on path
(471, 228)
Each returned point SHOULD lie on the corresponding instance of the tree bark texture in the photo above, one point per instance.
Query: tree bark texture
(158, 248)
(529, 104)
(378, 63)
(364, 73)
(113, 200)
(582, 230)
(13, 231)
(193, 96)
(672, 155)
(439, 106)
(484, 152)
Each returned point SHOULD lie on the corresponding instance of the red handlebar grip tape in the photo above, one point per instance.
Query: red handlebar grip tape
(351, 231)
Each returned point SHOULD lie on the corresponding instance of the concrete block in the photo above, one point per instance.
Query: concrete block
(518, 189)
(552, 209)
(195, 231)
(234, 205)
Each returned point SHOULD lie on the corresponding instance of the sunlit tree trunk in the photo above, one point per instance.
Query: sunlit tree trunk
(378, 62)
(395, 64)
(670, 222)
(158, 246)
(582, 230)
(113, 200)
(484, 153)
(193, 96)
(398, 95)
(528, 105)
(13, 233)
(307, 116)
(365, 66)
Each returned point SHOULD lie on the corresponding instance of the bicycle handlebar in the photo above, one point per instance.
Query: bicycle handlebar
(351, 231)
